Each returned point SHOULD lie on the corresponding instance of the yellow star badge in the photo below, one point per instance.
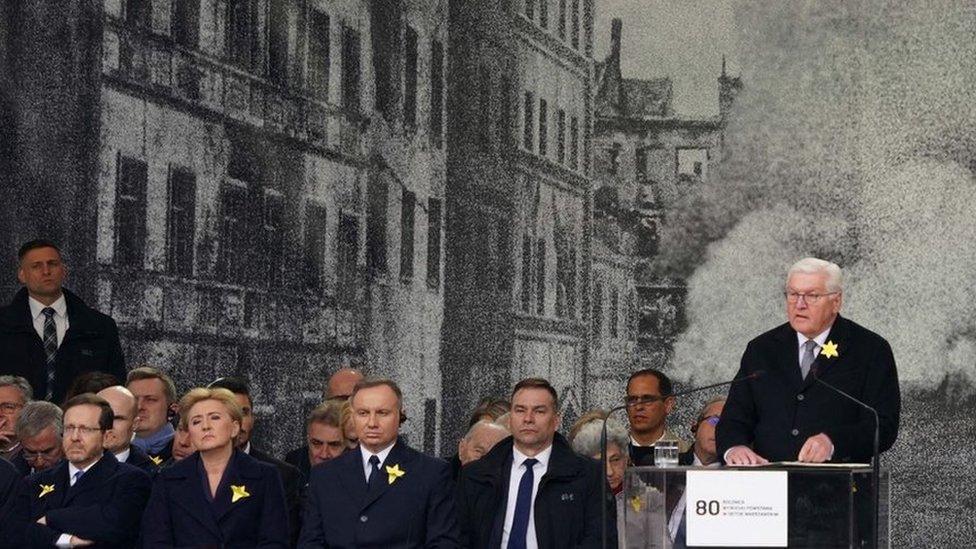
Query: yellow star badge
(395, 472)
(829, 349)
(238, 492)
(45, 490)
(156, 460)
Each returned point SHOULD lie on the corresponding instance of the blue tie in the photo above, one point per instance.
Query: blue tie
(374, 475)
(523, 506)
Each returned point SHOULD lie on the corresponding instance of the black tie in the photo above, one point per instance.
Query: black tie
(374, 474)
(50, 347)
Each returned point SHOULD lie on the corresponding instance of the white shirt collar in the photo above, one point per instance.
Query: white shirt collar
(820, 339)
(382, 454)
(247, 448)
(124, 454)
(543, 457)
(664, 436)
(72, 469)
(60, 307)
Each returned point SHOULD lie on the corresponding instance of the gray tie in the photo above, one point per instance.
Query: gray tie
(809, 349)
(50, 348)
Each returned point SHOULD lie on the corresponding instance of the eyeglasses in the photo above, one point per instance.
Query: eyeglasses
(711, 420)
(34, 456)
(809, 299)
(84, 430)
(631, 400)
(9, 407)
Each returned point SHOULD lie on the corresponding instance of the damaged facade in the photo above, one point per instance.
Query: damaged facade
(646, 157)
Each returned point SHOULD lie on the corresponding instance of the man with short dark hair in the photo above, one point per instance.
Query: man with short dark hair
(502, 499)
(118, 439)
(291, 478)
(324, 438)
(15, 393)
(48, 335)
(383, 494)
(90, 498)
(39, 431)
(649, 393)
(155, 395)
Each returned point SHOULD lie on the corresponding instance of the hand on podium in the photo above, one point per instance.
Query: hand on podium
(743, 455)
(817, 449)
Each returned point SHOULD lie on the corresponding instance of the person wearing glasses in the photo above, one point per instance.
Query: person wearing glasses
(219, 496)
(38, 429)
(15, 393)
(702, 452)
(89, 498)
(785, 414)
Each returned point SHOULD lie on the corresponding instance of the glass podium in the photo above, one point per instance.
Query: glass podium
(825, 507)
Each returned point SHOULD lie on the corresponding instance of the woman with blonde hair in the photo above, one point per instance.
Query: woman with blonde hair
(218, 496)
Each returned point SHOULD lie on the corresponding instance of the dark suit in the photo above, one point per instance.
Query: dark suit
(298, 458)
(20, 464)
(294, 484)
(11, 529)
(179, 514)
(567, 504)
(139, 459)
(776, 412)
(415, 510)
(104, 506)
(90, 344)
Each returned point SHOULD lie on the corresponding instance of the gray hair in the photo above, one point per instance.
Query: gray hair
(587, 441)
(714, 400)
(812, 265)
(19, 383)
(37, 416)
(485, 424)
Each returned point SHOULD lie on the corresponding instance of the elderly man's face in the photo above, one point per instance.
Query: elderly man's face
(616, 464)
(482, 439)
(705, 432)
(43, 450)
(11, 403)
(813, 311)
(325, 442)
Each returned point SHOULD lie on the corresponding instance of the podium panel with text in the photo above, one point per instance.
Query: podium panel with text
(782, 506)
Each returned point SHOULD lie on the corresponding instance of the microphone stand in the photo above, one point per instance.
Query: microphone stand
(603, 436)
(876, 468)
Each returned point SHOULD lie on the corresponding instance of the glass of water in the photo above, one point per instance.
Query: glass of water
(666, 453)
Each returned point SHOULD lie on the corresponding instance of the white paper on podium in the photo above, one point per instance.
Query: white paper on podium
(736, 508)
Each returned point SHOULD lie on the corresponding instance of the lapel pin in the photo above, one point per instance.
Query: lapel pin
(829, 350)
(45, 490)
(394, 472)
(238, 492)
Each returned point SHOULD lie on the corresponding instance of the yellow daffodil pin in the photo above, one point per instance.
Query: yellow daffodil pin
(45, 490)
(829, 350)
(394, 472)
(635, 504)
(156, 460)
(238, 492)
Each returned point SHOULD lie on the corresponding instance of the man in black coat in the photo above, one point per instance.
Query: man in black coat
(784, 414)
(10, 529)
(48, 335)
(88, 497)
(532, 487)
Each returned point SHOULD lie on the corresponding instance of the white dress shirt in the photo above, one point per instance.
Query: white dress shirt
(538, 470)
(366, 454)
(124, 454)
(60, 317)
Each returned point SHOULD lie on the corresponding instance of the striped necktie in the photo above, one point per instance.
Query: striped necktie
(50, 347)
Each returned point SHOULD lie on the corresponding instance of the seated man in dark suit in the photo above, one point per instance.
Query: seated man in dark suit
(291, 478)
(118, 439)
(11, 528)
(323, 435)
(384, 494)
(48, 335)
(90, 497)
(785, 415)
(532, 489)
(38, 429)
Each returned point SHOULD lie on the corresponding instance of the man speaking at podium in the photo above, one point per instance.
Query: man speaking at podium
(784, 414)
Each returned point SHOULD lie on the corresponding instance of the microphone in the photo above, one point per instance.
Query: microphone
(876, 458)
(638, 402)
